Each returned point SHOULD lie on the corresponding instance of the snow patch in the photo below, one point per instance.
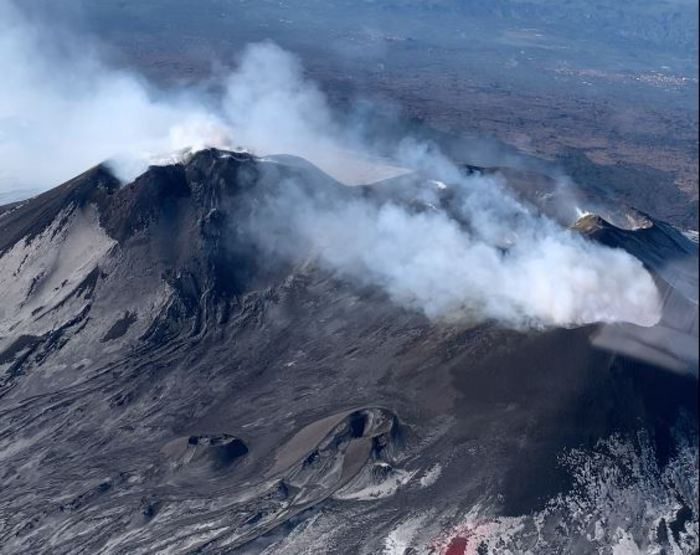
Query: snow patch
(401, 537)
(431, 476)
(386, 488)
(620, 500)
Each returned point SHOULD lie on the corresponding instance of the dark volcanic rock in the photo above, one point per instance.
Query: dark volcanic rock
(166, 386)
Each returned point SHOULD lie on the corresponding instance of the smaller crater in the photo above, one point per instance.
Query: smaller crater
(213, 452)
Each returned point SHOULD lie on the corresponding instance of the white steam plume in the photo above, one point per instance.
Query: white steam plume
(492, 259)
(510, 265)
(62, 110)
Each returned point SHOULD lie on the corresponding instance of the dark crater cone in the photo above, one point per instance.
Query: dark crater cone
(211, 451)
(167, 385)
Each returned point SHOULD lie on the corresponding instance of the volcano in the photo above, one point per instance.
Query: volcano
(165, 386)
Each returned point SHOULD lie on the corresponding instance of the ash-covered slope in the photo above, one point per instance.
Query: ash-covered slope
(165, 385)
